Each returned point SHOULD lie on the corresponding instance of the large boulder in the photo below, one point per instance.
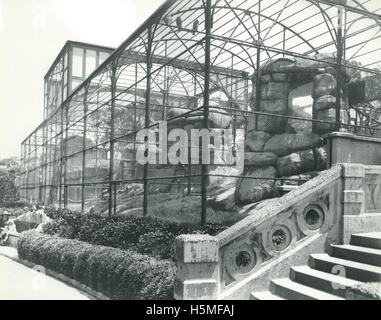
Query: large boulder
(280, 77)
(272, 124)
(275, 90)
(218, 118)
(299, 179)
(277, 106)
(321, 61)
(253, 190)
(329, 118)
(285, 144)
(224, 201)
(321, 156)
(256, 140)
(260, 159)
(324, 84)
(277, 66)
(325, 102)
(296, 163)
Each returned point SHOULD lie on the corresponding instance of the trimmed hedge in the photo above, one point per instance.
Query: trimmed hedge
(119, 274)
(147, 236)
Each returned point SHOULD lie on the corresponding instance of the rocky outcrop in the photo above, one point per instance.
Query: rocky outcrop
(285, 144)
(256, 140)
(218, 119)
(324, 84)
(290, 147)
(260, 159)
(296, 163)
(251, 190)
(274, 90)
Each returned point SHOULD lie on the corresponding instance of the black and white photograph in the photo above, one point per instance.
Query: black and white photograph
(207, 152)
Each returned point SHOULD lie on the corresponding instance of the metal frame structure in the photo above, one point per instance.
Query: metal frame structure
(188, 54)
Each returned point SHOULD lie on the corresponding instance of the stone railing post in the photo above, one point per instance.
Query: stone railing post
(197, 268)
(353, 197)
(353, 194)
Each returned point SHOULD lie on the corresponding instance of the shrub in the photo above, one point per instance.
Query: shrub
(157, 243)
(145, 235)
(51, 228)
(119, 274)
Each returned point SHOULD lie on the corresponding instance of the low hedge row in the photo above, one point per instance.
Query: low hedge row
(146, 236)
(119, 274)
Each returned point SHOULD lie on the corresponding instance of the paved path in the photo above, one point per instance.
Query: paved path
(18, 282)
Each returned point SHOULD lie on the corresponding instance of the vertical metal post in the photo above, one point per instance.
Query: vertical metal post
(65, 154)
(258, 73)
(232, 104)
(204, 167)
(135, 120)
(61, 156)
(339, 67)
(112, 136)
(65, 196)
(85, 110)
(147, 117)
(27, 156)
(115, 190)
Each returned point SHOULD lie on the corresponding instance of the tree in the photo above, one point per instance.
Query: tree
(8, 189)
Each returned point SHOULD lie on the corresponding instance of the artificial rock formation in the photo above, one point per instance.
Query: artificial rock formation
(272, 140)
(253, 190)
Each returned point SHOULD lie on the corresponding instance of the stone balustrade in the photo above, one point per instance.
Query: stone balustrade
(326, 210)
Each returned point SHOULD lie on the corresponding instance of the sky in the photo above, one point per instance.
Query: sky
(32, 32)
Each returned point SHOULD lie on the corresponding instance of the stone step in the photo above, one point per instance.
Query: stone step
(323, 281)
(353, 270)
(291, 290)
(369, 240)
(358, 254)
(265, 296)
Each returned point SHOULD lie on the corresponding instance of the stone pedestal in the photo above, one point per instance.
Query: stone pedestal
(197, 267)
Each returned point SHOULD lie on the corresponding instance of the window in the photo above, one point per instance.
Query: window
(78, 62)
(65, 61)
(76, 83)
(103, 56)
(91, 61)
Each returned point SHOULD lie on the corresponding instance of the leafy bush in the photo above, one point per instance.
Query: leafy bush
(8, 188)
(147, 236)
(157, 243)
(119, 274)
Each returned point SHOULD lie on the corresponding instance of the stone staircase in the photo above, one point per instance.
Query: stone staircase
(328, 276)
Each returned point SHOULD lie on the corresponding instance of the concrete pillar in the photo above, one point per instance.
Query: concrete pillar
(197, 268)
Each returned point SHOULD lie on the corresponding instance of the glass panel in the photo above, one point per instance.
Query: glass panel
(103, 56)
(91, 61)
(78, 62)
(76, 83)
(65, 60)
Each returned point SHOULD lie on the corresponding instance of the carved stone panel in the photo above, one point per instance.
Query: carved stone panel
(372, 193)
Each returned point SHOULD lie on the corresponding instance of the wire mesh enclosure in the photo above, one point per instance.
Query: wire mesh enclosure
(268, 71)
